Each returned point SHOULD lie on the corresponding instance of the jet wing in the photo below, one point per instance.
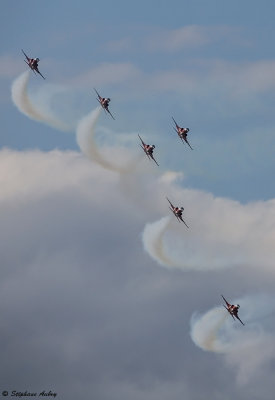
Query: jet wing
(143, 144)
(182, 221)
(172, 207)
(177, 126)
(188, 143)
(25, 55)
(152, 157)
(228, 304)
(98, 95)
(109, 112)
(236, 316)
(37, 70)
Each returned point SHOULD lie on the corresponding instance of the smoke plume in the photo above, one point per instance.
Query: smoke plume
(21, 99)
(223, 233)
(153, 241)
(248, 348)
(85, 136)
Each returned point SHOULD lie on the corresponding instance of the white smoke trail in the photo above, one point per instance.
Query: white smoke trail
(85, 130)
(248, 348)
(223, 233)
(153, 241)
(173, 246)
(21, 99)
(85, 134)
(205, 329)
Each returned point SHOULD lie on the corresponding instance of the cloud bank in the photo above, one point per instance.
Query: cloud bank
(113, 323)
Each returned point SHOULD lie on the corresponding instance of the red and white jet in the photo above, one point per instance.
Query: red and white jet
(182, 132)
(232, 309)
(148, 149)
(104, 102)
(177, 211)
(33, 64)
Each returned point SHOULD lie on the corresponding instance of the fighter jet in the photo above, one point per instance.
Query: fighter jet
(177, 211)
(33, 64)
(104, 102)
(232, 309)
(182, 132)
(148, 149)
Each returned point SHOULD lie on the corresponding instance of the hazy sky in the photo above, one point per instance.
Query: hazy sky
(100, 296)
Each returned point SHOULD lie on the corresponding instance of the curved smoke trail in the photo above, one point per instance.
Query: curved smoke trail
(85, 128)
(166, 245)
(85, 133)
(223, 233)
(249, 348)
(205, 329)
(153, 241)
(21, 99)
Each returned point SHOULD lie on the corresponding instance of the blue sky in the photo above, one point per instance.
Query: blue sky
(208, 64)
(116, 324)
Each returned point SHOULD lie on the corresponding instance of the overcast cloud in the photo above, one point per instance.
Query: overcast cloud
(80, 299)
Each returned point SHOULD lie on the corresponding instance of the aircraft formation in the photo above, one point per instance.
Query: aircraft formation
(148, 149)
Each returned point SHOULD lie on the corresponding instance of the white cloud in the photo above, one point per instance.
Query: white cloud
(245, 77)
(34, 174)
(223, 85)
(73, 273)
(107, 73)
(190, 36)
(219, 76)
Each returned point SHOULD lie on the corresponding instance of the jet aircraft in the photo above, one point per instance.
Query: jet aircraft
(177, 211)
(148, 149)
(33, 64)
(182, 132)
(232, 309)
(104, 102)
